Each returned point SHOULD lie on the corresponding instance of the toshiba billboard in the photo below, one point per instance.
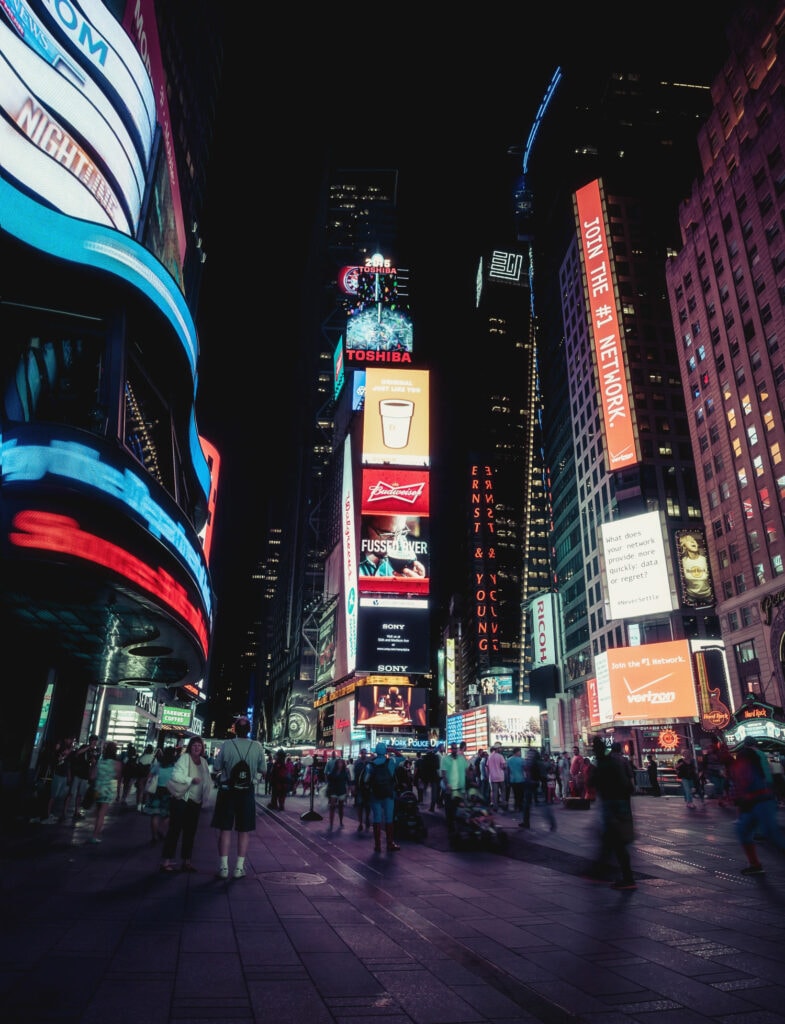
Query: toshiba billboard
(652, 683)
(610, 363)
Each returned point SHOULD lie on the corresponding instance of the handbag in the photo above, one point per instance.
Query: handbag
(151, 786)
(178, 789)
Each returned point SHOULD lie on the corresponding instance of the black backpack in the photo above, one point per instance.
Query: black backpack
(240, 775)
(379, 780)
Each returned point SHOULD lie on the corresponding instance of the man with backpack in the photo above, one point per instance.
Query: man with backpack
(237, 765)
(379, 777)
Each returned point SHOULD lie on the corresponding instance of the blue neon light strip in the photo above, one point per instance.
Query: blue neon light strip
(83, 468)
(557, 77)
(91, 245)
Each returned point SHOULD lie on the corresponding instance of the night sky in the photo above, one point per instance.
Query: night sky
(445, 103)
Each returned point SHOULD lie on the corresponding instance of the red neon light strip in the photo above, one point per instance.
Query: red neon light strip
(48, 531)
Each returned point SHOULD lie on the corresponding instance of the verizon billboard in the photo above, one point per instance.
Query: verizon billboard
(609, 353)
(637, 685)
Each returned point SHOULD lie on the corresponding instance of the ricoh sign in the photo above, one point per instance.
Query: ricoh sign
(543, 630)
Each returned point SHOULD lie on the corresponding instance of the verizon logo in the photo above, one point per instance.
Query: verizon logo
(408, 493)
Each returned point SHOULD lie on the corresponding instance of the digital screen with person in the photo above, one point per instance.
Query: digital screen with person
(391, 705)
(394, 551)
(695, 574)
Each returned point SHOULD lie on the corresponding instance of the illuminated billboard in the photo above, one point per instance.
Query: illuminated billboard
(608, 352)
(544, 613)
(99, 48)
(349, 560)
(69, 129)
(394, 554)
(393, 635)
(636, 566)
(166, 234)
(379, 335)
(393, 706)
(400, 491)
(650, 683)
(396, 423)
(697, 590)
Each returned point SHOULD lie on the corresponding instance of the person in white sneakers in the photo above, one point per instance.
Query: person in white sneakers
(235, 805)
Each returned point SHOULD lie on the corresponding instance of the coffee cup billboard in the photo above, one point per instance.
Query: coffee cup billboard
(396, 416)
(396, 420)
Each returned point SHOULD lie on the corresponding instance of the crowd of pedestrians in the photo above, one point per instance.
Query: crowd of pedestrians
(172, 786)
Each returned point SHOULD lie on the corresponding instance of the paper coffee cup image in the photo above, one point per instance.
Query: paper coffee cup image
(396, 416)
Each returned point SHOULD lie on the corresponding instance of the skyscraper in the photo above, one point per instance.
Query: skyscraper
(726, 287)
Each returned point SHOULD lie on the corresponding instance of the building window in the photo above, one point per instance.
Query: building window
(727, 589)
(754, 540)
(765, 500)
(733, 551)
(776, 454)
(757, 465)
(752, 435)
(725, 490)
(740, 583)
(731, 415)
(736, 445)
(733, 621)
(745, 652)
(771, 534)
(760, 575)
(742, 477)
(747, 618)
(716, 528)
(776, 564)
(722, 555)
(746, 404)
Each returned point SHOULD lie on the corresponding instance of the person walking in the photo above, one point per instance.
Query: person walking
(106, 776)
(687, 774)
(235, 805)
(453, 769)
(129, 760)
(497, 776)
(157, 803)
(563, 765)
(337, 790)
(362, 794)
(430, 774)
(143, 766)
(191, 787)
(381, 776)
(653, 771)
(280, 781)
(517, 774)
(613, 780)
(753, 794)
(716, 765)
(61, 782)
(535, 774)
(82, 763)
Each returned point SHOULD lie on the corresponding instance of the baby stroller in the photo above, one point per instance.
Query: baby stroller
(409, 823)
(474, 825)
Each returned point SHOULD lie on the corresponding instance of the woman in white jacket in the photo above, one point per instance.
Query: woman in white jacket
(191, 787)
